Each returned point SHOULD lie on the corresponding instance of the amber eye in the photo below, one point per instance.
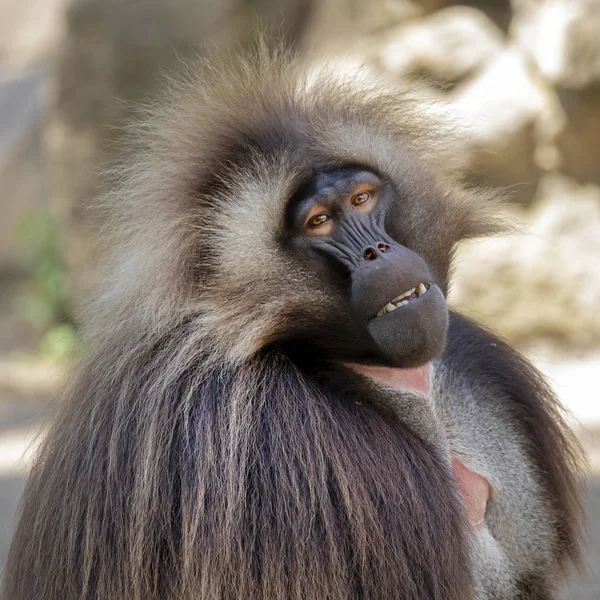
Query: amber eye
(359, 199)
(318, 220)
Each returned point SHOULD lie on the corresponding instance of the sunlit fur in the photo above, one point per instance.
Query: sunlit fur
(191, 460)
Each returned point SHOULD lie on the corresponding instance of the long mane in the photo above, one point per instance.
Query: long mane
(169, 476)
(240, 130)
(188, 461)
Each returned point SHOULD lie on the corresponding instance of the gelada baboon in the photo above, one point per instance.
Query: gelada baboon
(276, 403)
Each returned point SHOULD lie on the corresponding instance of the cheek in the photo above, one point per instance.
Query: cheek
(438, 258)
(314, 259)
(425, 240)
(318, 284)
(395, 225)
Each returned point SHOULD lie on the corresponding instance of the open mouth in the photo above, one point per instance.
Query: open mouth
(403, 299)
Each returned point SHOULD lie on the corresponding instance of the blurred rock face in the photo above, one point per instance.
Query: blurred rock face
(544, 283)
(504, 113)
(503, 109)
(29, 32)
(503, 96)
(21, 180)
(561, 39)
(516, 81)
(444, 49)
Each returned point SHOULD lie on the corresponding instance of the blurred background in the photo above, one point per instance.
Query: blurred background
(518, 81)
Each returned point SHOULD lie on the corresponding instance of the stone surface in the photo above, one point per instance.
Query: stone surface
(22, 179)
(543, 283)
(443, 48)
(29, 32)
(339, 25)
(498, 11)
(503, 110)
(561, 38)
(578, 142)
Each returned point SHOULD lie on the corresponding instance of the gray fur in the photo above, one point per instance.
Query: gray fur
(518, 534)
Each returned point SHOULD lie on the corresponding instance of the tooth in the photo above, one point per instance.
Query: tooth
(421, 289)
(404, 302)
(390, 307)
(401, 296)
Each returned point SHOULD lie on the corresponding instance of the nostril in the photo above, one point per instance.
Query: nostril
(370, 254)
(382, 247)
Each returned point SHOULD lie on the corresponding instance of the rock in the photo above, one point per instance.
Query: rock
(442, 49)
(506, 114)
(22, 178)
(433, 5)
(344, 27)
(29, 32)
(561, 39)
(543, 284)
(579, 140)
(497, 10)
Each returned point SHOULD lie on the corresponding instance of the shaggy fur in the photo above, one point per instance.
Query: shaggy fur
(196, 456)
(504, 422)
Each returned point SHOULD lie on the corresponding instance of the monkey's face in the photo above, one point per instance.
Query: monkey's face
(345, 224)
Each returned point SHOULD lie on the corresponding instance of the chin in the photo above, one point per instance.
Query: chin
(413, 334)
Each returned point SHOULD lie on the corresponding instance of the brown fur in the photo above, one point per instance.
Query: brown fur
(191, 458)
(163, 480)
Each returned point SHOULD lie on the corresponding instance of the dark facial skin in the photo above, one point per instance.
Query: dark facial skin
(340, 216)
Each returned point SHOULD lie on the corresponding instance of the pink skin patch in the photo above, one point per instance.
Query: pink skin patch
(401, 379)
(474, 488)
(475, 491)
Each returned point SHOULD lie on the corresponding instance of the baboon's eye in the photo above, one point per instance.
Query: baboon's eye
(359, 199)
(318, 220)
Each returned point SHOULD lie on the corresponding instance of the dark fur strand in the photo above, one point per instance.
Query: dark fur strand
(253, 482)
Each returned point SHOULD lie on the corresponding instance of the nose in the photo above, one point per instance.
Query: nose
(372, 252)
